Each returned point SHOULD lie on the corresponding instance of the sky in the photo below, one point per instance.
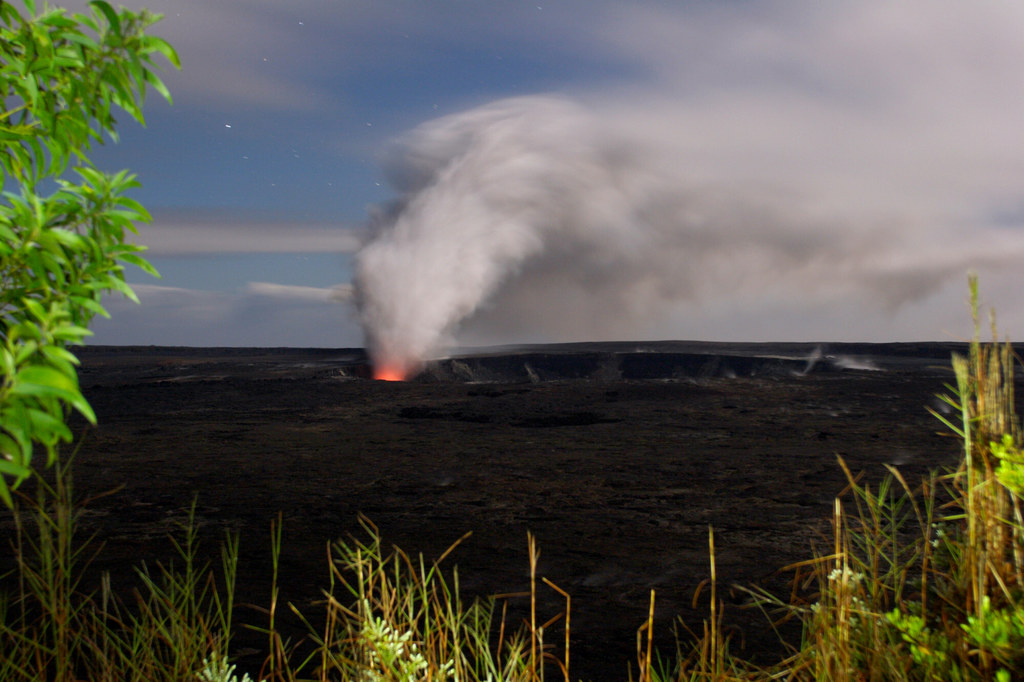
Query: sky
(783, 171)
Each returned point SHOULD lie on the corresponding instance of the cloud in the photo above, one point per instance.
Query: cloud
(291, 56)
(259, 315)
(178, 233)
(911, 105)
(341, 293)
(238, 52)
(898, 122)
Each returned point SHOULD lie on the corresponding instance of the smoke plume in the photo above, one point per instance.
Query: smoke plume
(532, 190)
(537, 219)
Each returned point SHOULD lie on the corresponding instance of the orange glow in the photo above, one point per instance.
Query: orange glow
(388, 374)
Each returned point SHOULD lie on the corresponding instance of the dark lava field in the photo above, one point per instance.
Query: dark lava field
(617, 456)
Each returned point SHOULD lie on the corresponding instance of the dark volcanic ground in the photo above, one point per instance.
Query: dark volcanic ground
(616, 456)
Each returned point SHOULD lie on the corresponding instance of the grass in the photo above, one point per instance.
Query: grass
(917, 581)
(53, 629)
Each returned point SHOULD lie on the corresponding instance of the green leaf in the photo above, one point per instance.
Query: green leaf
(46, 382)
(154, 82)
(138, 261)
(31, 89)
(91, 305)
(70, 239)
(155, 44)
(46, 377)
(15, 423)
(58, 20)
(71, 333)
(133, 205)
(64, 359)
(10, 468)
(5, 493)
(44, 424)
(112, 19)
(24, 352)
(121, 287)
(90, 175)
(35, 309)
(83, 40)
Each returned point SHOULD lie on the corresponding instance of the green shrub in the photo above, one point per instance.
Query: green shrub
(63, 78)
(927, 582)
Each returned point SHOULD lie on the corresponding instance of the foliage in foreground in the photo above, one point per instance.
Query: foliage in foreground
(52, 628)
(62, 78)
(925, 583)
(386, 616)
(918, 583)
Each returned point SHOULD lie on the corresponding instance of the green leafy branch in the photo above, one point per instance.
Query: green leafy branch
(62, 79)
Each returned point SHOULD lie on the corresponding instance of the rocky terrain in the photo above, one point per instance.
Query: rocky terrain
(618, 457)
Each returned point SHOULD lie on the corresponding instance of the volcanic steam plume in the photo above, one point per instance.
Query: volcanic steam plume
(532, 190)
(538, 219)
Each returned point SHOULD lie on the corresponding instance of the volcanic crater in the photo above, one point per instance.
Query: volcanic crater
(617, 456)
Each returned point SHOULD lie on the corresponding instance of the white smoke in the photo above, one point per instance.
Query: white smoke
(530, 216)
(814, 178)
(483, 194)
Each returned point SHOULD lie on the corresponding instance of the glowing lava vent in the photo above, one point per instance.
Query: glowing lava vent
(389, 373)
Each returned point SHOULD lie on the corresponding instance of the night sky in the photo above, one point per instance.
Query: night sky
(890, 133)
